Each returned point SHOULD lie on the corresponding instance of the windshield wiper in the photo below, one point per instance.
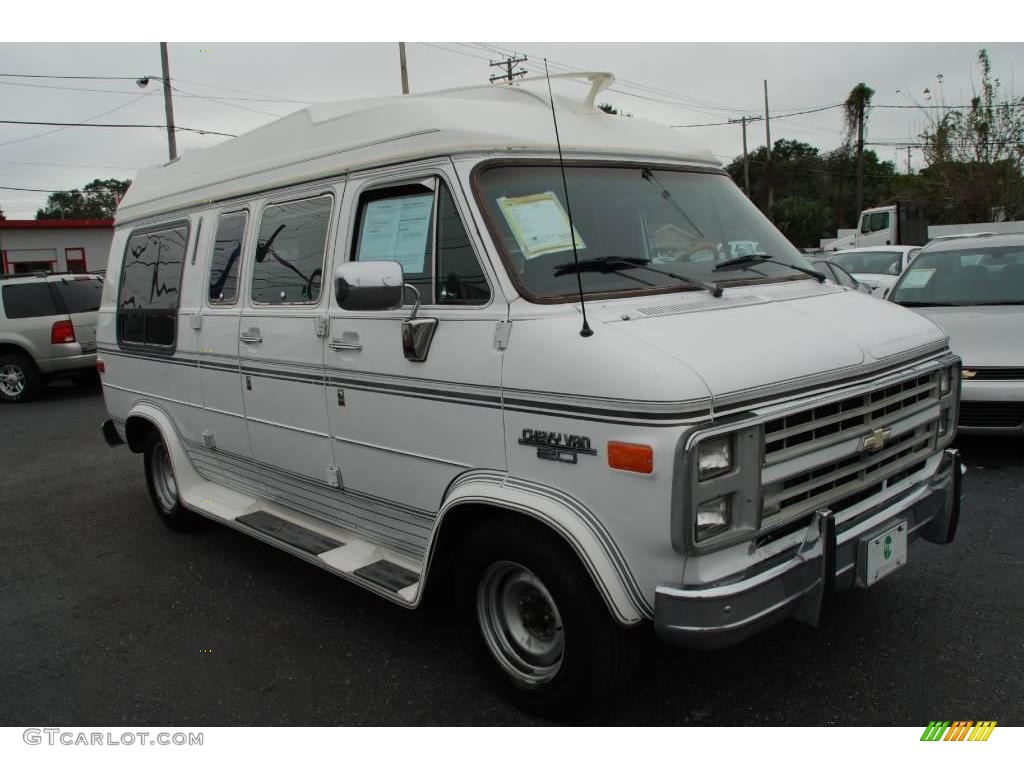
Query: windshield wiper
(753, 259)
(926, 304)
(620, 263)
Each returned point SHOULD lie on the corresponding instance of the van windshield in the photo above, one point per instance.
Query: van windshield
(675, 221)
(966, 277)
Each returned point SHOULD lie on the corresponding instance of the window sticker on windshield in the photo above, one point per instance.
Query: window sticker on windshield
(539, 224)
(917, 278)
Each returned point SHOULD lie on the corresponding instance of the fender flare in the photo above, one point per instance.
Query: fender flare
(185, 474)
(579, 527)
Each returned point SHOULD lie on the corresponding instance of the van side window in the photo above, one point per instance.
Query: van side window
(420, 228)
(460, 280)
(227, 252)
(289, 262)
(395, 224)
(147, 307)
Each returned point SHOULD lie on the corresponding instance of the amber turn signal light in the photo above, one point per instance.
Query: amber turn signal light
(631, 457)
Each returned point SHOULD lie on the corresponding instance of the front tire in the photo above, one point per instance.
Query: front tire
(537, 624)
(163, 487)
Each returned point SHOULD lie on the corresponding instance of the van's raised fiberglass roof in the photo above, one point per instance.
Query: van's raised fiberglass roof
(323, 140)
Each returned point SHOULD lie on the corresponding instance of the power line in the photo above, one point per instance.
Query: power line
(116, 125)
(779, 117)
(25, 189)
(85, 120)
(262, 97)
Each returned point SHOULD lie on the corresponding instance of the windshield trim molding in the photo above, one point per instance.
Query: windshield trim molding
(506, 258)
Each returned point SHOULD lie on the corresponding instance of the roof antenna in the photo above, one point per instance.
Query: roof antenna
(585, 331)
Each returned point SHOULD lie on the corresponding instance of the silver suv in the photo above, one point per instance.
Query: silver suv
(47, 328)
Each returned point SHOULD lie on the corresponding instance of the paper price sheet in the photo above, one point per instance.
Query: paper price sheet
(539, 224)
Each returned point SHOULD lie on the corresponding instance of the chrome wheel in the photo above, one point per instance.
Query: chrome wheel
(163, 477)
(12, 380)
(520, 623)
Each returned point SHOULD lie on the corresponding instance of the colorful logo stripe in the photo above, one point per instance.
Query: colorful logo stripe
(958, 730)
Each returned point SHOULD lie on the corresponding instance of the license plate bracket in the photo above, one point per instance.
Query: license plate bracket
(881, 553)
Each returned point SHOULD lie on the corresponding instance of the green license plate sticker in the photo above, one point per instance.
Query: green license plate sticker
(885, 553)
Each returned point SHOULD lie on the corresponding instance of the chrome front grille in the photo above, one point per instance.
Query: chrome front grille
(811, 430)
(818, 458)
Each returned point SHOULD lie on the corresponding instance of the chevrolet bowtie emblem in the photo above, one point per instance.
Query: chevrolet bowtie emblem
(876, 440)
(966, 373)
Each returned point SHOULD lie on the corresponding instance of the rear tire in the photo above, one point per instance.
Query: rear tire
(163, 487)
(535, 621)
(20, 380)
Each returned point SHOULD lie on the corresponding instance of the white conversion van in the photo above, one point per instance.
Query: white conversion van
(357, 334)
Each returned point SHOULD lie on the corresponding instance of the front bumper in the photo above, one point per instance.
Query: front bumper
(992, 407)
(719, 616)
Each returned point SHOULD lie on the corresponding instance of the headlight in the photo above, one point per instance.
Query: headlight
(714, 457)
(945, 381)
(713, 516)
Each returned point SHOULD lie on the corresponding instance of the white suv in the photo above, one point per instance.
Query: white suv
(47, 328)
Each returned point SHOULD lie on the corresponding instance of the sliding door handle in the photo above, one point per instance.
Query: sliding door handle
(252, 336)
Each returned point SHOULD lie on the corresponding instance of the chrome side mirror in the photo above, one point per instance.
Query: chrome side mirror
(369, 285)
(417, 332)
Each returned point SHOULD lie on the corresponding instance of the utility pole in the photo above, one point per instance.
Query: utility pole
(768, 165)
(405, 70)
(508, 64)
(746, 159)
(908, 160)
(172, 147)
(860, 155)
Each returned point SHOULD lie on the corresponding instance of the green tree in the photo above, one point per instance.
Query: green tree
(804, 221)
(855, 117)
(801, 173)
(975, 156)
(96, 200)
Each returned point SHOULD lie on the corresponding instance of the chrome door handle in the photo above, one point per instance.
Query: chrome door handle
(252, 336)
(345, 345)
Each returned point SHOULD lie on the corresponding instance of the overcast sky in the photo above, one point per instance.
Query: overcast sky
(676, 84)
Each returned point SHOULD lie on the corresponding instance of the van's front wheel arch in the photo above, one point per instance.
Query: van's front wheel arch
(535, 621)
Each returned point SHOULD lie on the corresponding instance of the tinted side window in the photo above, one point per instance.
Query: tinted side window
(290, 252)
(79, 295)
(227, 252)
(28, 300)
(147, 309)
(460, 280)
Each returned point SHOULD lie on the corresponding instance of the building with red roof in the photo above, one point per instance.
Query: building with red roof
(55, 245)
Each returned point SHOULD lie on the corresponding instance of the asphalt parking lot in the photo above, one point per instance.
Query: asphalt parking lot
(109, 618)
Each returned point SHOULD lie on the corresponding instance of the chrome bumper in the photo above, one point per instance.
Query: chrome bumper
(719, 616)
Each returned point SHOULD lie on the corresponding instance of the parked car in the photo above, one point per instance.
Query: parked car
(368, 334)
(840, 276)
(973, 288)
(47, 329)
(877, 266)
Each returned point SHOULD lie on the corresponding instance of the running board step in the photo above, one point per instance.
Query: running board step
(290, 533)
(391, 576)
